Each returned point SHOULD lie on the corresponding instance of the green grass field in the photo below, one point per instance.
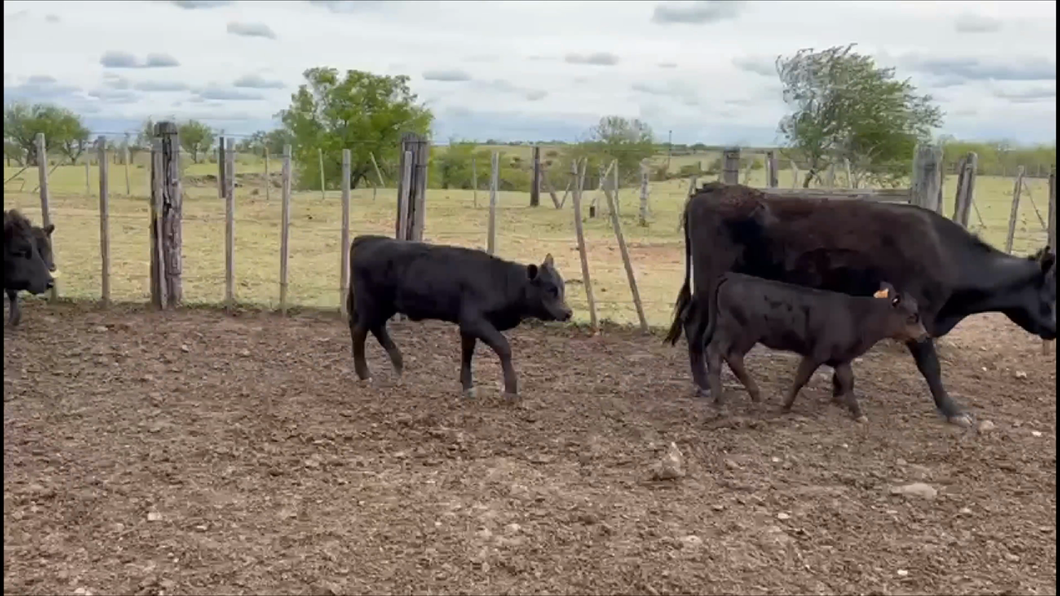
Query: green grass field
(523, 234)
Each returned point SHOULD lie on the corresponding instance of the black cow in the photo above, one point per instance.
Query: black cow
(823, 327)
(851, 246)
(482, 294)
(28, 260)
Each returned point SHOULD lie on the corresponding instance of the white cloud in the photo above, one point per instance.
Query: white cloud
(515, 70)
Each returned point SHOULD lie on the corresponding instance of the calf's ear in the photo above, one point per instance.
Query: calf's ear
(548, 261)
(531, 272)
(48, 229)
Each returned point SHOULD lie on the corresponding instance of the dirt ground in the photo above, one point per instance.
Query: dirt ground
(198, 453)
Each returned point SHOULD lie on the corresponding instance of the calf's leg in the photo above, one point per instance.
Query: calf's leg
(844, 375)
(736, 363)
(384, 339)
(927, 361)
(358, 333)
(15, 314)
(807, 366)
(714, 360)
(467, 352)
(484, 330)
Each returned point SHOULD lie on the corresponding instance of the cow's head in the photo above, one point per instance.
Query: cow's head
(545, 292)
(1035, 299)
(25, 267)
(902, 316)
(42, 237)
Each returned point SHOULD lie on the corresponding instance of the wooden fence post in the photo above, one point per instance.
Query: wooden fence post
(579, 180)
(617, 185)
(344, 266)
(491, 229)
(772, 175)
(167, 205)
(125, 161)
(88, 179)
(421, 152)
(1052, 208)
(643, 194)
(927, 177)
(965, 197)
(691, 186)
(730, 172)
(104, 218)
(45, 197)
(222, 165)
(850, 177)
(616, 224)
(268, 178)
(230, 222)
(285, 223)
(1014, 212)
(405, 198)
(320, 158)
(474, 182)
(535, 183)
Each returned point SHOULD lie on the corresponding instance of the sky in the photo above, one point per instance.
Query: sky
(533, 71)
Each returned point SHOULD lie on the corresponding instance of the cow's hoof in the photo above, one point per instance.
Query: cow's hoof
(962, 420)
(511, 396)
(365, 381)
(862, 419)
(468, 393)
(702, 392)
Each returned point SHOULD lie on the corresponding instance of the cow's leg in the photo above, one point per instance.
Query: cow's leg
(837, 386)
(844, 375)
(714, 360)
(15, 314)
(484, 330)
(927, 361)
(467, 352)
(695, 333)
(358, 334)
(807, 366)
(736, 363)
(384, 339)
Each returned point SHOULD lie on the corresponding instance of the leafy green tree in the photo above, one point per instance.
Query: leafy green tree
(196, 138)
(63, 130)
(274, 140)
(453, 166)
(360, 111)
(617, 138)
(844, 106)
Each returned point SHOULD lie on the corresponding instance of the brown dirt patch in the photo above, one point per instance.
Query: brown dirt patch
(197, 453)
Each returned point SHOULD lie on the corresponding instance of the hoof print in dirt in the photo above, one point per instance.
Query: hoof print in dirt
(671, 466)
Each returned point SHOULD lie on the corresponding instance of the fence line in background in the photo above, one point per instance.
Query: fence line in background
(167, 206)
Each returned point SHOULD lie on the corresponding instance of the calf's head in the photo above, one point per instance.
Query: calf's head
(544, 293)
(25, 265)
(1035, 298)
(902, 317)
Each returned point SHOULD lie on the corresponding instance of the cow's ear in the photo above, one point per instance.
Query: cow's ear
(531, 272)
(1047, 260)
(48, 229)
(548, 261)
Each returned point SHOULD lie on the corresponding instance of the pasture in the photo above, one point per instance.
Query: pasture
(196, 452)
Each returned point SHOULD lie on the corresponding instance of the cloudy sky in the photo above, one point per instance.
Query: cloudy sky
(528, 70)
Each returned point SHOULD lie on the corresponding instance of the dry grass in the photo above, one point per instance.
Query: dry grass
(523, 234)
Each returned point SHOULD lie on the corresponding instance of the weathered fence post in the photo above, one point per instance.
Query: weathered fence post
(1052, 230)
(104, 218)
(417, 191)
(491, 229)
(965, 197)
(474, 182)
(167, 210)
(1014, 212)
(643, 194)
(268, 178)
(125, 161)
(579, 180)
(730, 171)
(691, 186)
(535, 183)
(927, 177)
(616, 223)
(405, 198)
(285, 223)
(230, 222)
(344, 266)
(88, 179)
(320, 158)
(45, 196)
(850, 178)
(772, 174)
(222, 165)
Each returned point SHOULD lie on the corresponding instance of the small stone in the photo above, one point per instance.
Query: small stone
(916, 489)
(154, 516)
(244, 352)
(731, 465)
(100, 329)
(1035, 433)
(691, 541)
(83, 592)
(986, 426)
(783, 516)
(1020, 374)
(1012, 558)
(901, 462)
(717, 507)
(775, 460)
(903, 573)
(512, 528)
(672, 465)
(965, 511)
(184, 348)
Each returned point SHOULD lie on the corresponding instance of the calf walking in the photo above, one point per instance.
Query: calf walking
(823, 327)
(481, 293)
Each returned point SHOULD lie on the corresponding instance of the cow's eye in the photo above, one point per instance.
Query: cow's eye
(553, 292)
(914, 318)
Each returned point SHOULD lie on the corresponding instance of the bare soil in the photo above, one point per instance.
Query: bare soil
(199, 453)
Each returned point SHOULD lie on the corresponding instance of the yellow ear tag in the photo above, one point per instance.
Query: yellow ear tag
(881, 294)
(55, 274)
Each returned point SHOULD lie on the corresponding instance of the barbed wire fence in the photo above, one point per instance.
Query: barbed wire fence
(249, 238)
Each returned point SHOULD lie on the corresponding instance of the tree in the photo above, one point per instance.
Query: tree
(617, 138)
(361, 111)
(453, 166)
(844, 106)
(274, 140)
(63, 130)
(195, 137)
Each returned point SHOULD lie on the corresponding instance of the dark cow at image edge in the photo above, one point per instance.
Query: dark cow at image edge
(481, 293)
(851, 247)
(28, 260)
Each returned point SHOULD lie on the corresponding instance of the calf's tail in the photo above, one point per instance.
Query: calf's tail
(712, 310)
(684, 297)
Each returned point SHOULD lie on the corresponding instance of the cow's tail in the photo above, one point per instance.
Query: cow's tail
(712, 310)
(684, 297)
